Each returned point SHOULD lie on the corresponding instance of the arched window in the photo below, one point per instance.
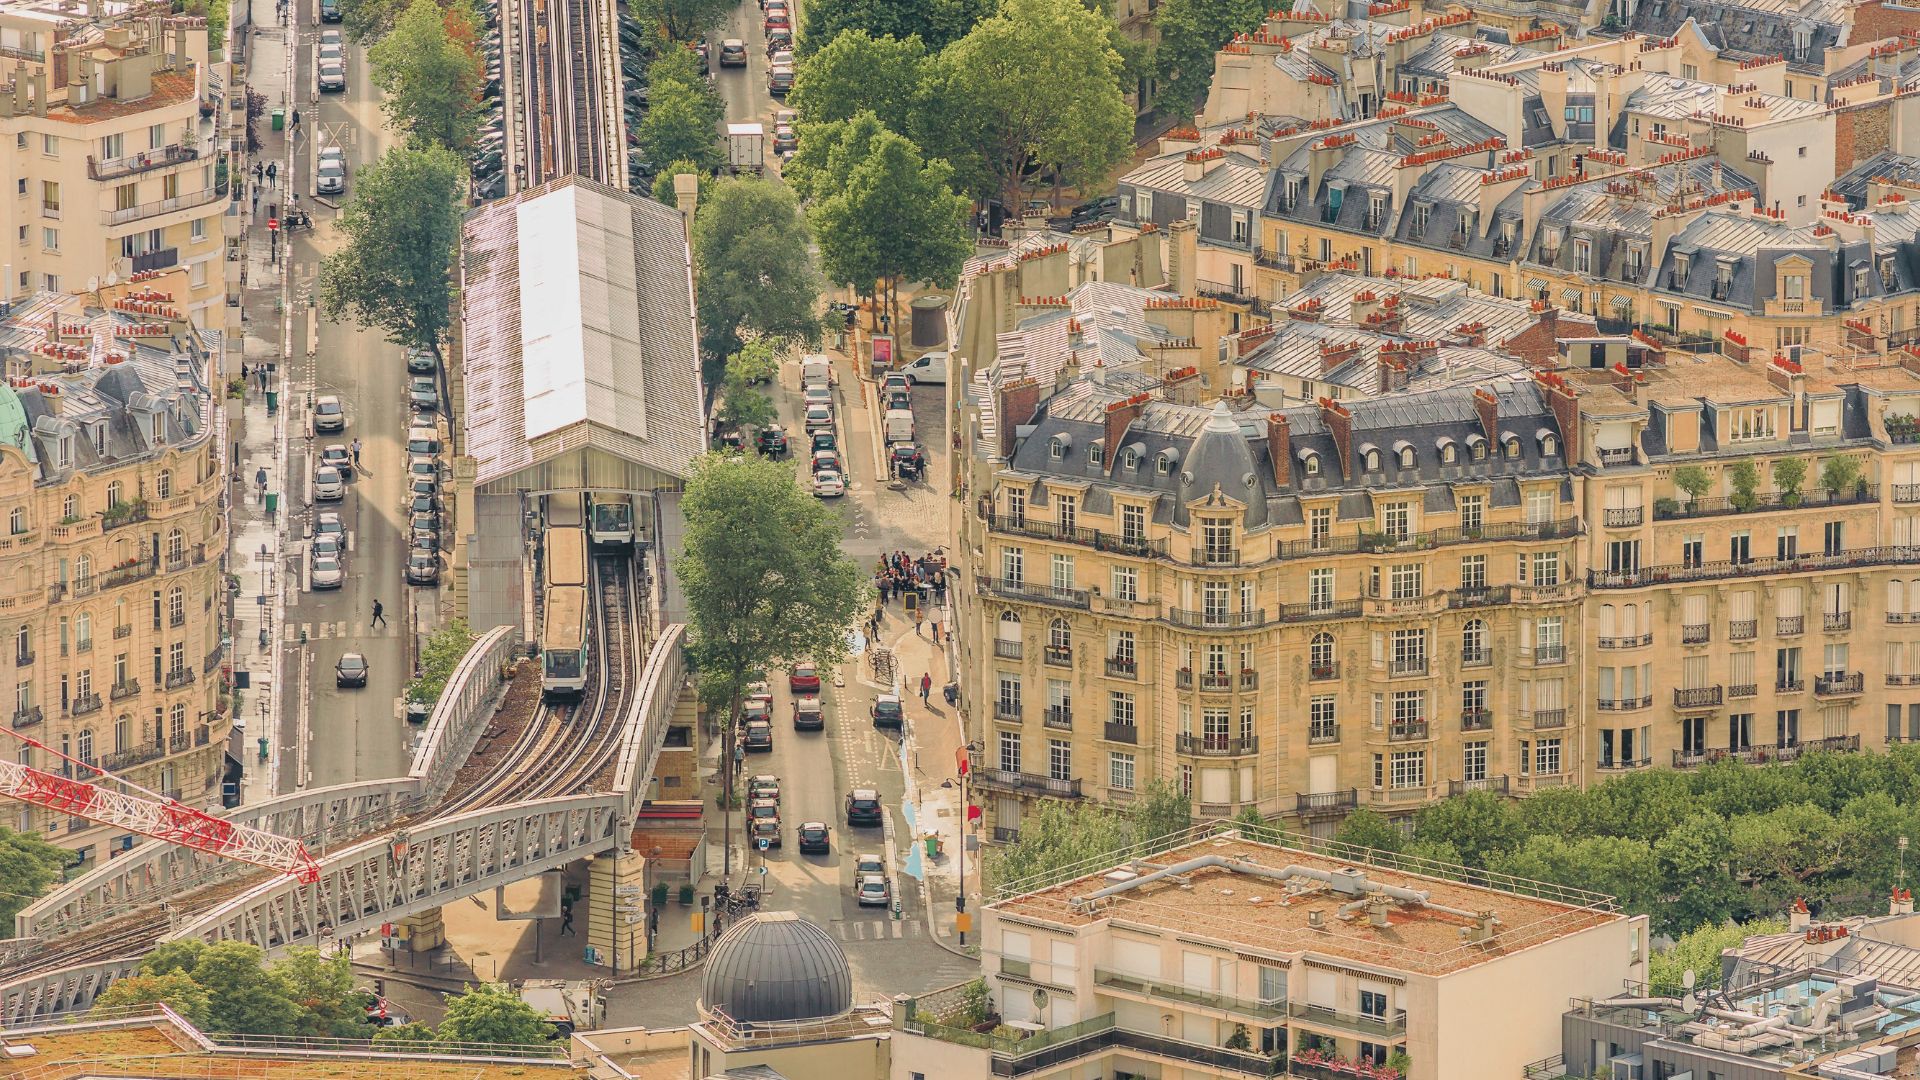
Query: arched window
(1373, 461)
(1312, 464)
(1607, 621)
(1130, 458)
(86, 745)
(1007, 640)
(1513, 447)
(17, 520)
(1473, 642)
(176, 546)
(1059, 634)
(1549, 445)
(70, 507)
(83, 570)
(1406, 457)
(176, 605)
(1449, 454)
(113, 494)
(163, 484)
(1320, 656)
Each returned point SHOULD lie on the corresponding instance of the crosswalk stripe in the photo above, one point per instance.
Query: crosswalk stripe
(897, 929)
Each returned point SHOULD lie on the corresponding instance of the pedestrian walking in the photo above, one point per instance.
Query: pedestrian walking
(273, 174)
(379, 616)
(566, 919)
(260, 478)
(259, 171)
(936, 631)
(296, 119)
(261, 371)
(918, 618)
(926, 689)
(356, 453)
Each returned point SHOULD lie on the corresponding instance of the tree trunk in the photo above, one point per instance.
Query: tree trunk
(727, 730)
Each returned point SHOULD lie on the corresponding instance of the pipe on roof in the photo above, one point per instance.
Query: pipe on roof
(1350, 883)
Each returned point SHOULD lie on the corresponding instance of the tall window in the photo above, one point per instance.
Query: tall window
(1406, 583)
(1010, 751)
(1120, 771)
(1126, 583)
(1473, 763)
(1320, 588)
(1059, 759)
(1321, 723)
(1473, 511)
(1133, 524)
(1320, 656)
(1408, 769)
(1473, 571)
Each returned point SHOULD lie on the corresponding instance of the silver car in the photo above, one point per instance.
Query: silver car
(872, 891)
(330, 178)
(327, 573)
(328, 484)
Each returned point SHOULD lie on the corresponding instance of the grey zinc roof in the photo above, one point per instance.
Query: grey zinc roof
(1756, 28)
(1236, 180)
(1903, 168)
(1437, 57)
(579, 314)
(775, 967)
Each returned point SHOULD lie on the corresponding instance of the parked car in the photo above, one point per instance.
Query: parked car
(777, 20)
(763, 821)
(863, 807)
(868, 863)
(872, 891)
(330, 11)
(351, 670)
(328, 415)
(325, 572)
(908, 462)
(326, 544)
(804, 678)
(785, 141)
(420, 362)
(759, 737)
(757, 707)
(826, 461)
(825, 440)
(930, 368)
(423, 485)
(887, 711)
(779, 79)
(819, 418)
(1095, 210)
(733, 53)
(422, 394)
(807, 714)
(814, 838)
(779, 39)
(420, 504)
(763, 786)
(328, 484)
(328, 524)
(828, 485)
(421, 467)
(817, 395)
(333, 76)
(896, 380)
(425, 521)
(772, 441)
(423, 566)
(896, 397)
(336, 455)
(330, 174)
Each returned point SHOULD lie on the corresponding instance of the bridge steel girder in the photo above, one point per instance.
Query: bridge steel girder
(151, 873)
(644, 728)
(441, 861)
(465, 707)
(63, 991)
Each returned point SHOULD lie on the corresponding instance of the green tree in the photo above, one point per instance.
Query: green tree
(1159, 810)
(323, 989)
(402, 228)
(682, 121)
(1611, 865)
(175, 989)
(681, 20)
(1840, 474)
(1693, 858)
(1057, 835)
(493, 1013)
(1699, 951)
(1035, 84)
(28, 865)
(1693, 480)
(242, 997)
(857, 71)
(935, 22)
(1743, 477)
(1369, 828)
(408, 1036)
(429, 83)
(895, 219)
(756, 269)
(1787, 852)
(829, 151)
(1191, 31)
(763, 577)
(367, 21)
(1477, 825)
(1789, 474)
(743, 405)
(444, 650)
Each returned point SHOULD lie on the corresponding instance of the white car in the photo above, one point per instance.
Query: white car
(828, 485)
(328, 414)
(330, 175)
(328, 484)
(327, 573)
(329, 524)
(819, 418)
(817, 395)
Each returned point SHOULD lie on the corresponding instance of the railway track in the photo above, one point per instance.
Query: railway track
(569, 116)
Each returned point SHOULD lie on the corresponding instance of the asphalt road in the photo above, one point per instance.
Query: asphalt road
(349, 734)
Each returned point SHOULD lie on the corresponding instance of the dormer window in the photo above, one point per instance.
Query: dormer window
(1310, 464)
(1860, 286)
(1449, 453)
(1163, 463)
(1886, 272)
(1096, 455)
(66, 450)
(1056, 449)
(1421, 211)
(1372, 459)
(100, 439)
(1130, 458)
(1406, 457)
(1512, 447)
(1583, 256)
(1549, 444)
(1795, 286)
(1466, 224)
(1682, 265)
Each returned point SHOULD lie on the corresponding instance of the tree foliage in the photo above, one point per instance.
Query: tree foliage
(367, 21)
(429, 81)
(445, 647)
(1698, 950)
(765, 582)
(1057, 835)
(829, 152)
(681, 20)
(1693, 480)
(743, 404)
(242, 996)
(175, 989)
(1038, 84)
(1191, 31)
(493, 1013)
(1840, 473)
(1369, 828)
(402, 228)
(894, 217)
(682, 120)
(28, 865)
(756, 270)
(934, 22)
(857, 71)
(322, 988)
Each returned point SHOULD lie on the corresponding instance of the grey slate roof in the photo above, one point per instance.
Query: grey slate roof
(1749, 30)
(579, 314)
(773, 967)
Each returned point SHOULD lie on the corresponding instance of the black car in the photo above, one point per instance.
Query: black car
(887, 711)
(759, 737)
(813, 838)
(772, 441)
(330, 11)
(1095, 210)
(863, 807)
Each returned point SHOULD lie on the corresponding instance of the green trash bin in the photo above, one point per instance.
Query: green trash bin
(279, 119)
(933, 847)
(273, 501)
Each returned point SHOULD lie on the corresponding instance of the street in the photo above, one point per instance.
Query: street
(351, 734)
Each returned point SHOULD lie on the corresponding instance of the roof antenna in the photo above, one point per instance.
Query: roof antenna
(1901, 843)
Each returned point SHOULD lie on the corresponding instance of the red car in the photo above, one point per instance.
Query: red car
(778, 20)
(804, 679)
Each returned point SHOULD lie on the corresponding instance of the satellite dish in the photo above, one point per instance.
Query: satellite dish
(1687, 979)
(113, 278)
(1039, 998)
(93, 284)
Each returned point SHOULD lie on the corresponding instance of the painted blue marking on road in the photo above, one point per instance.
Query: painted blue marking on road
(856, 643)
(912, 868)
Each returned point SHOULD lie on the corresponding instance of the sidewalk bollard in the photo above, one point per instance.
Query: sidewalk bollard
(896, 908)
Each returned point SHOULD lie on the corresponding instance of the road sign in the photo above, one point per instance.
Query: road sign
(591, 955)
(626, 909)
(764, 843)
(626, 890)
(273, 224)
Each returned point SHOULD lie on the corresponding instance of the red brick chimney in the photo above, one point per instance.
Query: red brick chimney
(1120, 417)
(1018, 402)
(1566, 410)
(1333, 354)
(1280, 449)
(1340, 425)
(1488, 407)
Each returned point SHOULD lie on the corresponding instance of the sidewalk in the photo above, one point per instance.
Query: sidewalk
(258, 439)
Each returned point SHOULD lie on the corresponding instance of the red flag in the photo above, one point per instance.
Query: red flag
(973, 813)
(960, 758)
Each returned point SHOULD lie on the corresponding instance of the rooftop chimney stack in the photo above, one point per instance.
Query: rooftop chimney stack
(1280, 449)
(1798, 917)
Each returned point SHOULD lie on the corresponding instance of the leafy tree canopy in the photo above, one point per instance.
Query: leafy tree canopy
(493, 1013)
(935, 22)
(857, 71)
(445, 648)
(28, 865)
(682, 120)
(681, 20)
(402, 226)
(756, 268)
(1191, 31)
(1059, 835)
(175, 989)
(429, 81)
(744, 405)
(895, 216)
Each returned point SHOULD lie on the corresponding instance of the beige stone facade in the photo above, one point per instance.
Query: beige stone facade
(112, 542)
(112, 131)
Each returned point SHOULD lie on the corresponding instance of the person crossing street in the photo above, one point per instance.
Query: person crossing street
(379, 616)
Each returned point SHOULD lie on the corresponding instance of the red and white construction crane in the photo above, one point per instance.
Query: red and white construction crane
(150, 814)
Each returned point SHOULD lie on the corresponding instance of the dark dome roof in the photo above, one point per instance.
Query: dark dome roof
(774, 966)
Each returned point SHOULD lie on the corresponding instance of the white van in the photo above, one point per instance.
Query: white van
(815, 370)
(899, 425)
(931, 368)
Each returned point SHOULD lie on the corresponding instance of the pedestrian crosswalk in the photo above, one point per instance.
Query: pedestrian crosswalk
(321, 630)
(877, 929)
